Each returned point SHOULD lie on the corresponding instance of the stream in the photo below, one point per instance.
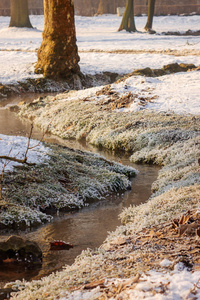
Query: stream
(86, 228)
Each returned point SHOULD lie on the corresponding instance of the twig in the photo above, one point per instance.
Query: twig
(9, 158)
(28, 145)
(21, 161)
(24, 160)
(42, 137)
(2, 174)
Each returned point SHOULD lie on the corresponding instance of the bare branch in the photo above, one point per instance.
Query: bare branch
(29, 140)
(42, 137)
(21, 161)
(8, 158)
(2, 174)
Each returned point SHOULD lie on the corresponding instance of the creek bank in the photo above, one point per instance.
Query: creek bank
(17, 253)
(43, 85)
(147, 236)
(165, 70)
(189, 32)
(84, 81)
(67, 179)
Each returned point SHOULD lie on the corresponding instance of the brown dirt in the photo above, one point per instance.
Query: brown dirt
(184, 52)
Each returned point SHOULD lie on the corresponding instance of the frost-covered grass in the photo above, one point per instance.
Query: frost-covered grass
(178, 153)
(66, 179)
(161, 208)
(15, 216)
(166, 139)
(83, 118)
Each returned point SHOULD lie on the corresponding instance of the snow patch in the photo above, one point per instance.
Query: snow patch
(15, 146)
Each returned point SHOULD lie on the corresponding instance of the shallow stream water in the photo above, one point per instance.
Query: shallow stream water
(86, 228)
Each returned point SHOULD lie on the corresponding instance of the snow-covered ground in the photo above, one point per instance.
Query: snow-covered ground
(16, 147)
(18, 56)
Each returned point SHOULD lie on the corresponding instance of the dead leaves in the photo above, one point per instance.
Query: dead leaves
(107, 91)
(111, 288)
(60, 245)
(138, 253)
(114, 288)
(177, 241)
(188, 224)
(95, 284)
(113, 100)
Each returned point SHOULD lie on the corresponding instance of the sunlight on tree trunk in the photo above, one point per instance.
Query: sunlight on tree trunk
(19, 14)
(101, 7)
(128, 22)
(151, 7)
(58, 55)
(105, 6)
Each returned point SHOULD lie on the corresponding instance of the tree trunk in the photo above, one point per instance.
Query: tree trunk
(128, 22)
(58, 55)
(106, 7)
(151, 7)
(19, 14)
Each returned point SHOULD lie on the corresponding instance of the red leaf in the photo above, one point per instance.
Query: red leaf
(60, 245)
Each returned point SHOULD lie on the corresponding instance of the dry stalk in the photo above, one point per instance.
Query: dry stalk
(9, 158)
(2, 174)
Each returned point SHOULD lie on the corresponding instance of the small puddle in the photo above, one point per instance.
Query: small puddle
(87, 228)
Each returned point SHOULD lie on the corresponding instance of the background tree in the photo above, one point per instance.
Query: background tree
(128, 22)
(151, 8)
(106, 6)
(19, 14)
(58, 55)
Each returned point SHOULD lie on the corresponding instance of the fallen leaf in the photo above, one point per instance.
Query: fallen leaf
(184, 219)
(60, 245)
(94, 284)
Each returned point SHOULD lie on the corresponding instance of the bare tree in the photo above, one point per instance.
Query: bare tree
(19, 14)
(151, 8)
(58, 55)
(128, 22)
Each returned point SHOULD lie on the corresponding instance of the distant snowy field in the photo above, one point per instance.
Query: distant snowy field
(18, 45)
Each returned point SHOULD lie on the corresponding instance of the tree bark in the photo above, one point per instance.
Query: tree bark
(101, 7)
(19, 14)
(128, 22)
(151, 8)
(106, 7)
(58, 55)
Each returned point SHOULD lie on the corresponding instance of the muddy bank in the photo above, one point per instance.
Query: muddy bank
(43, 85)
(81, 81)
(165, 70)
(184, 52)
